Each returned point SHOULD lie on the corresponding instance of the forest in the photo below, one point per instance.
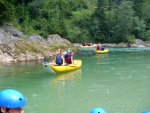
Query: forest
(106, 21)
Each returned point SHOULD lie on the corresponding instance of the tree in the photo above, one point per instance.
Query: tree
(98, 24)
(6, 11)
(146, 17)
(78, 26)
(146, 14)
(137, 7)
(125, 20)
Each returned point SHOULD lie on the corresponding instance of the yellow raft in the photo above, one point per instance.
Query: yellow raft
(102, 52)
(60, 69)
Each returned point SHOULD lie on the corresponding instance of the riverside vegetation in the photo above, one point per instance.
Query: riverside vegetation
(109, 21)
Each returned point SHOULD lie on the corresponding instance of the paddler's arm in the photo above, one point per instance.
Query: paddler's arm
(72, 59)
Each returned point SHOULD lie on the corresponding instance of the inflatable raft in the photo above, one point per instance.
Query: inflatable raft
(92, 46)
(102, 52)
(61, 69)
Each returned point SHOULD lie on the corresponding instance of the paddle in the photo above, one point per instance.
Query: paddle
(47, 67)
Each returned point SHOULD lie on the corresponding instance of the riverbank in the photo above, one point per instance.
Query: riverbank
(16, 47)
(138, 43)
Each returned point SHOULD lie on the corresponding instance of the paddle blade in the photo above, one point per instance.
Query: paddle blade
(47, 67)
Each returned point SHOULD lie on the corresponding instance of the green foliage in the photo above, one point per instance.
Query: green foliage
(125, 20)
(145, 10)
(80, 20)
(146, 15)
(98, 21)
(138, 28)
(130, 38)
(35, 8)
(79, 25)
(6, 11)
(137, 6)
(147, 35)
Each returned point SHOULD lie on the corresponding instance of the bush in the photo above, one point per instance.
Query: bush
(130, 38)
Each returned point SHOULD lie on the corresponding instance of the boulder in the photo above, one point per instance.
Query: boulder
(35, 38)
(56, 39)
(11, 30)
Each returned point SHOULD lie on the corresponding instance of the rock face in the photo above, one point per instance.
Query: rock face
(56, 39)
(35, 38)
(12, 31)
(15, 47)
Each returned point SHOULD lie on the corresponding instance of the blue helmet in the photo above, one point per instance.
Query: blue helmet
(147, 111)
(69, 51)
(98, 110)
(10, 98)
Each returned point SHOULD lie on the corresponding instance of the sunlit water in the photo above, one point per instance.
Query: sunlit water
(117, 81)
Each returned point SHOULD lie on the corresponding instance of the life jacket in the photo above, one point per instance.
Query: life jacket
(102, 48)
(83, 44)
(59, 60)
(98, 47)
(68, 58)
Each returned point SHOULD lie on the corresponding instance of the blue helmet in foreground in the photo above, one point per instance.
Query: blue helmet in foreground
(98, 110)
(147, 111)
(10, 98)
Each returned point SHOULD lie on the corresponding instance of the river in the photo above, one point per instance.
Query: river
(117, 81)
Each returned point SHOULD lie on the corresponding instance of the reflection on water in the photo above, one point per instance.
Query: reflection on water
(101, 56)
(61, 81)
(67, 77)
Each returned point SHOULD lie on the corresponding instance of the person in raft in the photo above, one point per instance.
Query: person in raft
(59, 59)
(98, 47)
(12, 101)
(69, 57)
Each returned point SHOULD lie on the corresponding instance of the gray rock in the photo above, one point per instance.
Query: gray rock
(7, 38)
(12, 31)
(56, 39)
(35, 38)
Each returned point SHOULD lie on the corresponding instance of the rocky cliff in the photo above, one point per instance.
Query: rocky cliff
(15, 46)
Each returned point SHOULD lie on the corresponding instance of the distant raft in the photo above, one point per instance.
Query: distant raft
(61, 69)
(91, 46)
(102, 51)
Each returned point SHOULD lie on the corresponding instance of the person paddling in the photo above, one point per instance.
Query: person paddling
(98, 47)
(59, 59)
(69, 58)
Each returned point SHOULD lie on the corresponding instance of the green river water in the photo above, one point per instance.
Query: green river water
(118, 82)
